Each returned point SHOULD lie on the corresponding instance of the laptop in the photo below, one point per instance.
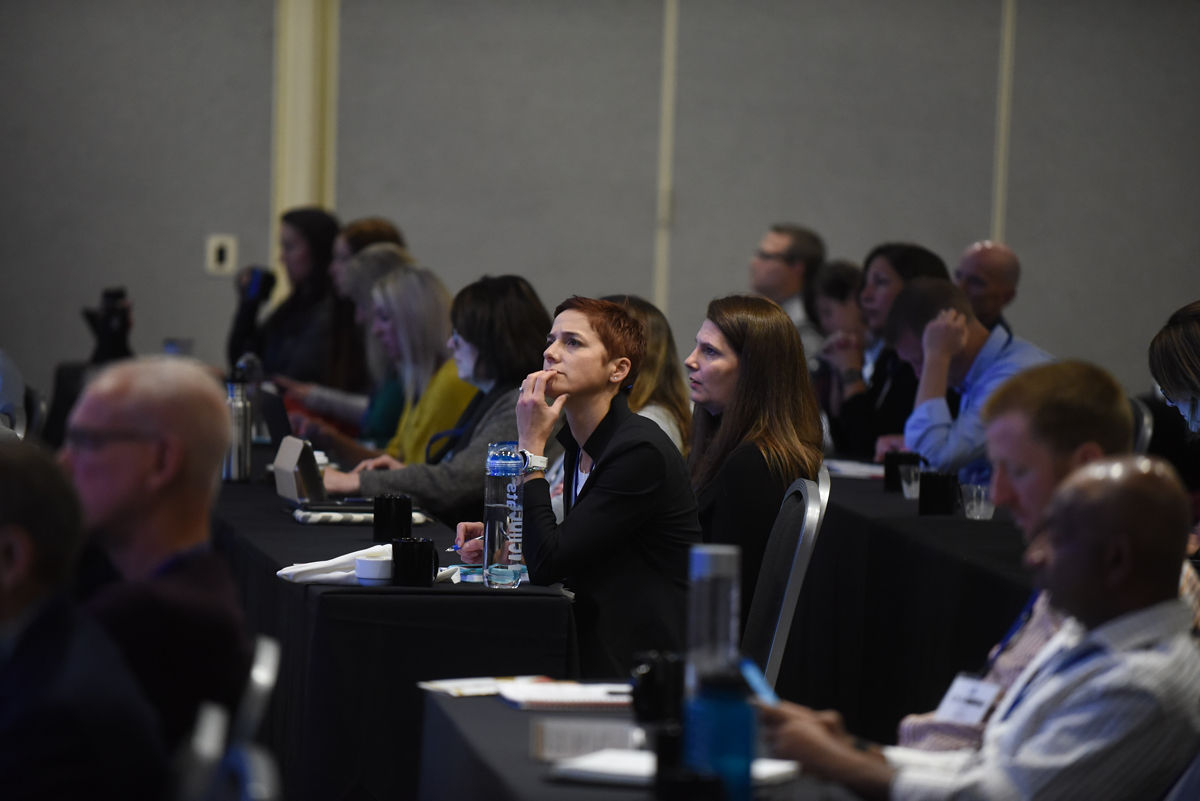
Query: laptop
(298, 481)
(274, 414)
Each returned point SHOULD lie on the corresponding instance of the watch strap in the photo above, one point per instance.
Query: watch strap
(531, 463)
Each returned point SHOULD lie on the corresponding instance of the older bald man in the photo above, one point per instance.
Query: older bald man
(988, 273)
(144, 447)
(1110, 708)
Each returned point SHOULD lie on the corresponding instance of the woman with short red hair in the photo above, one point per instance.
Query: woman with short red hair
(630, 513)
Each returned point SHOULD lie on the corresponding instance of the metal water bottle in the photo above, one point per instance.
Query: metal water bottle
(719, 723)
(237, 460)
(503, 518)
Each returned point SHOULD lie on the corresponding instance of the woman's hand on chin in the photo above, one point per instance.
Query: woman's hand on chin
(536, 417)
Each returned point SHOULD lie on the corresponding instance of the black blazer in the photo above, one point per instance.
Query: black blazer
(882, 409)
(623, 544)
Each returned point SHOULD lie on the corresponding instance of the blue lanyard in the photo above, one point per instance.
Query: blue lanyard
(1013, 630)
(1080, 657)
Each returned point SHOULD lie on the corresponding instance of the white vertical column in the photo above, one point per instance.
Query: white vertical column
(664, 210)
(304, 169)
(1008, 36)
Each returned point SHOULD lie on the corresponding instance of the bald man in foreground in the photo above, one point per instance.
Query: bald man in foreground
(1110, 708)
(144, 447)
(988, 273)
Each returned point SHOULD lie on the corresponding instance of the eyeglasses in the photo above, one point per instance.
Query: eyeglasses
(767, 256)
(93, 439)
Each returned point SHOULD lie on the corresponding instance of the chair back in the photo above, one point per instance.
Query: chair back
(35, 413)
(198, 760)
(785, 562)
(1143, 425)
(264, 671)
(220, 762)
(1187, 786)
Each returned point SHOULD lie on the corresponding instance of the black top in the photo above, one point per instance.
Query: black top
(623, 544)
(182, 633)
(73, 723)
(882, 409)
(738, 507)
(305, 338)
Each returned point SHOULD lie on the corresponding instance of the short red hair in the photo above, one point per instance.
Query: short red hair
(619, 332)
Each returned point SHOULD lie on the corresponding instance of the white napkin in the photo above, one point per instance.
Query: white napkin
(339, 570)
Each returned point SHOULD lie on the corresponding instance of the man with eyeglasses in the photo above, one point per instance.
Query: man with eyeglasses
(787, 258)
(144, 446)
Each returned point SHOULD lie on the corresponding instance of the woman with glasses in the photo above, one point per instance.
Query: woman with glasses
(499, 329)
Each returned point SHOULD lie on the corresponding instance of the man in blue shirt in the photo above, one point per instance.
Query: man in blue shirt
(932, 327)
(988, 274)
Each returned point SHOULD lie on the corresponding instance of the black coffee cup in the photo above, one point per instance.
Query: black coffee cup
(891, 468)
(393, 517)
(414, 562)
(939, 494)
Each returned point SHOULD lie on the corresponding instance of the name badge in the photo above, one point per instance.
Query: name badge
(967, 701)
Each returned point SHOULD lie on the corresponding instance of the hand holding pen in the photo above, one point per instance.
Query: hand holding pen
(469, 543)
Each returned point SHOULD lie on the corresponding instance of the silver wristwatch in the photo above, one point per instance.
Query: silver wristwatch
(531, 463)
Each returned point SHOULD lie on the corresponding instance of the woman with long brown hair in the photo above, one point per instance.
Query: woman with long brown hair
(755, 425)
(659, 391)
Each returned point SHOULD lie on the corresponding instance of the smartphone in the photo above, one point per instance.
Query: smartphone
(758, 682)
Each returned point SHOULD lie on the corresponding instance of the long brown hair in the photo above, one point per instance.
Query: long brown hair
(773, 404)
(1175, 354)
(660, 379)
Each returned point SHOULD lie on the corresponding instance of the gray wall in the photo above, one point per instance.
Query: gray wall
(130, 131)
(522, 136)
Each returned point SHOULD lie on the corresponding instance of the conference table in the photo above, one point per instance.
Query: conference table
(345, 719)
(479, 748)
(894, 604)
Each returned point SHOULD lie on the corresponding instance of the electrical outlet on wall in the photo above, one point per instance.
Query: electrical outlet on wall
(220, 254)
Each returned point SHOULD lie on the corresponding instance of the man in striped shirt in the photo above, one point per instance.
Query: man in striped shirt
(1110, 708)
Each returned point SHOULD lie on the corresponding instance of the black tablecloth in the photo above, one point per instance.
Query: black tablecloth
(894, 605)
(478, 748)
(345, 720)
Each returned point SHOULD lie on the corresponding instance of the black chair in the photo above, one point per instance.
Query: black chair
(785, 562)
(1143, 425)
(1187, 786)
(220, 762)
(35, 413)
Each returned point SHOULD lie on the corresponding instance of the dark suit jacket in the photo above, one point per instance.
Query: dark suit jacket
(73, 723)
(623, 544)
(182, 633)
(738, 507)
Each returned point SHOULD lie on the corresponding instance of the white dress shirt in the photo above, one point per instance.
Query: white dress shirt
(809, 335)
(1111, 713)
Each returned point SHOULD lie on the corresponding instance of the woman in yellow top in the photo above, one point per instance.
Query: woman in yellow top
(412, 321)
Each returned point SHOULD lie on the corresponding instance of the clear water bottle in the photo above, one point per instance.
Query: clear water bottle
(503, 554)
(237, 459)
(719, 723)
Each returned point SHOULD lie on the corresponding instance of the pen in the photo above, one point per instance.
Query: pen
(457, 547)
